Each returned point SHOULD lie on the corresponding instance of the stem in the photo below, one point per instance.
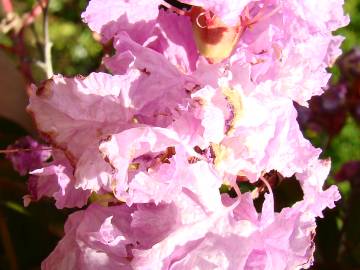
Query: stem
(47, 43)
(7, 243)
(9, 151)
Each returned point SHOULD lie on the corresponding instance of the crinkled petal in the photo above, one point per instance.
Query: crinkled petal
(228, 10)
(110, 17)
(95, 238)
(56, 180)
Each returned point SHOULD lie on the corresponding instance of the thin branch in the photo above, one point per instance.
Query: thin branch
(47, 43)
(10, 151)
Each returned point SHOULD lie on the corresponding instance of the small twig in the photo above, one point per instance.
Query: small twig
(47, 42)
(7, 243)
(9, 151)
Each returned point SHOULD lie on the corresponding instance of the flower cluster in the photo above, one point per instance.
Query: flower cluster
(200, 97)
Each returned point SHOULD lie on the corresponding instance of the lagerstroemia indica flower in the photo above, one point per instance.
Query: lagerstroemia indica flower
(26, 154)
(197, 98)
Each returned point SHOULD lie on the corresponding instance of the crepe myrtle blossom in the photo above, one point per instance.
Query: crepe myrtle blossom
(198, 99)
(279, 39)
(27, 154)
(215, 232)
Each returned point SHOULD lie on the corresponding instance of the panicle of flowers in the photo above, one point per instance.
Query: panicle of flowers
(199, 99)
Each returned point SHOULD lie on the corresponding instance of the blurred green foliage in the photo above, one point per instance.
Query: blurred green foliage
(351, 32)
(74, 49)
(345, 146)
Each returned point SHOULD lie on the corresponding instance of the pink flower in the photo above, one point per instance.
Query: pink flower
(95, 238)
(74, 114)
(56, 180)
(198, 99)
(111, 17)
(27, 155)
(151, 164)
(228, 10)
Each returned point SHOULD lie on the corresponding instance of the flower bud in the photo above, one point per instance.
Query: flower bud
(214, 39)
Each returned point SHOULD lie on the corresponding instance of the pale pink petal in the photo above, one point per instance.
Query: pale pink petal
(75, 112)
(57, 180)
(228, 10)
(121, 149)
(110, 17)
(95, 238)
(173, 38)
